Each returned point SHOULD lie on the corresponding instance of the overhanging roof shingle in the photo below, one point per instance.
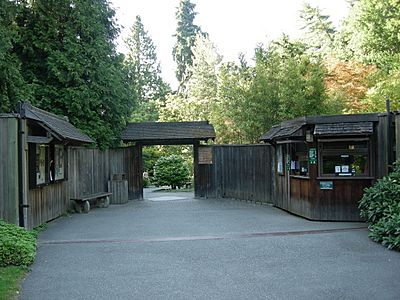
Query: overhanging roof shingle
(164, 131)
(280, 132)
(355, 128)
(355, 124)
(57, 125)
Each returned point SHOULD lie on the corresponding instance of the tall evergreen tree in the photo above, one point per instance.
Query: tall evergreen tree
(203, 82)
(69, 61)
(185, 36)
(12, 85)
(200, 100)
(320, 32)
(144, 72)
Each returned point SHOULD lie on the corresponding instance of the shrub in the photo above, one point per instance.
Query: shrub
(146, 182)
(171, 170)
(380, 205)
(17, 245)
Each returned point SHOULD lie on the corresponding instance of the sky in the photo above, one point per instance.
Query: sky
(234, 26)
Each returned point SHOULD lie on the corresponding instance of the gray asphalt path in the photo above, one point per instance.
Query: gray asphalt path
(183, 248)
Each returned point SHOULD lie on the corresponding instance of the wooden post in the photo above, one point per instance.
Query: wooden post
(389, 135)
(25, 174)
(382, 147)
(138, 172)
(196, 167)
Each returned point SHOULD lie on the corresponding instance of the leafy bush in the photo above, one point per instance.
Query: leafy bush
(380, 205)
(17, 245)
(146, 182)
(171, 170)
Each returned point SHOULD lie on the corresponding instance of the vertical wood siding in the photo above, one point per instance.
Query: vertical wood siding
(89, 171)
(9, 169)
(242, 172)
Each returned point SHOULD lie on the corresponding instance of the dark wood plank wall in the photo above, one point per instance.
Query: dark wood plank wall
(204, 175)
(89, 171)
(47, 203)
(135, 186)
(299, 202)
(238, 171)
(9, 169)
(382, 145)
(119, 190)
(339, 204)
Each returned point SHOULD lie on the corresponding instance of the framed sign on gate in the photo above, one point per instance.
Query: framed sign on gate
(205, 156)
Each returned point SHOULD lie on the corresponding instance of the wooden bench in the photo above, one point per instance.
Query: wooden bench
(82, 203)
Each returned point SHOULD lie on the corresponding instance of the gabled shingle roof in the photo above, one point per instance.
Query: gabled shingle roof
(356, 128)
(355, 124)
(163, 131)
(57, 125)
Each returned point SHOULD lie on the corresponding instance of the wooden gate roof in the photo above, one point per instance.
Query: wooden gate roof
(167, 133)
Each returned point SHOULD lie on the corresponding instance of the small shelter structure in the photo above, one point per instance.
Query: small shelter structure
(166, 133)
(33, 185)
(323, 163)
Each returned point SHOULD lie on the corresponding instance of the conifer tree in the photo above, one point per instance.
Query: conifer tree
(71, 65)
(185, 36)
(320, 32)
(12, 85)
(144, 72)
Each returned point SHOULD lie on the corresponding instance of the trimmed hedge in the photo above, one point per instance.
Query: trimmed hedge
(380, 205)
(171, 170)
(17, 245)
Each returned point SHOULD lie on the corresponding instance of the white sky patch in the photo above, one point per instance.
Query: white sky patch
(234, 26)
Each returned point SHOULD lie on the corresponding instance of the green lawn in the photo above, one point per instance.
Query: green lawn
(10, 278)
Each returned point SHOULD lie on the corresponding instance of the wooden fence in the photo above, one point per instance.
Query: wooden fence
(9, 168)
(242, 172)
(89, 171)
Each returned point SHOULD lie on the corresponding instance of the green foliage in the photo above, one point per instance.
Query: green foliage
(387, 85)
(144, 73)
(185, 37)
(380, 205)
(378, 26)
(150, 156)
(285, 83)
(12, 85)
(320, 32)
(17, 245)
(69, 65)
(200, 99)
(202, 85)
(171, 170)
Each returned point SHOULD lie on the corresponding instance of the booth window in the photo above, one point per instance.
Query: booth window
(46, 164)
(299, 159)
(59, 162)
(40, 164)
(279, 159)
(347, 158)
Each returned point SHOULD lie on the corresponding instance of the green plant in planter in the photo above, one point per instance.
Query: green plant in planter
(171, 170)
(380, 205)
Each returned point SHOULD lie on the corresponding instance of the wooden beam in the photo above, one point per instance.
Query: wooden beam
(196, 167)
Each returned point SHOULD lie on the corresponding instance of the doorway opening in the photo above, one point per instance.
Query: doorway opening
(183, 137)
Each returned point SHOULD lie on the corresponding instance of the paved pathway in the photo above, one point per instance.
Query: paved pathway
(172, 246)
